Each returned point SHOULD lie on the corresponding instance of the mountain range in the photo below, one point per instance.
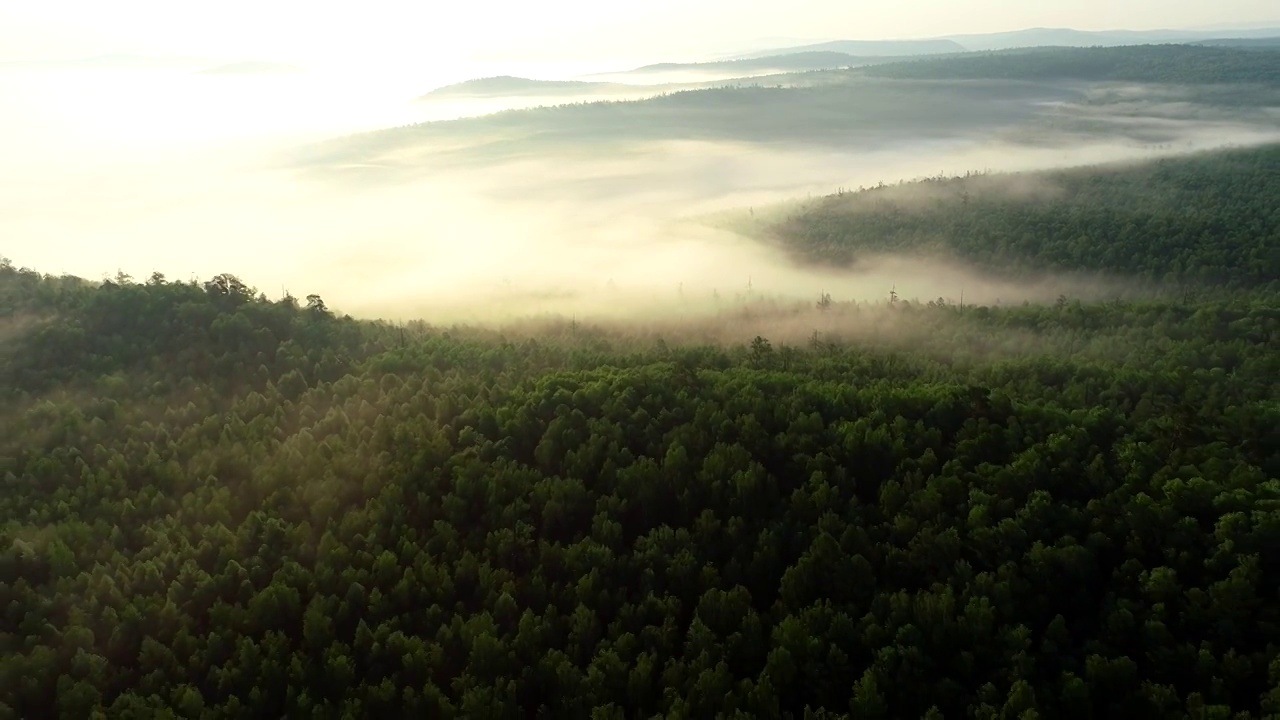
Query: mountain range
(1030, 37)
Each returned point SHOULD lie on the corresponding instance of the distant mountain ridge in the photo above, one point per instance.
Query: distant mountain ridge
(1264, 43)
(501, 85)
(1158, 63)
(808, 60)
(1030, 37)
(1068, 37)
(866, 48)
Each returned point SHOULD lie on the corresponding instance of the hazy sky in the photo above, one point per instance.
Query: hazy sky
(398, 31)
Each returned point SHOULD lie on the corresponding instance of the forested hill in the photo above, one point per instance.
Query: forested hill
(1210, 218)
(1262, 43)
(797, 61)
(1193, 64)
(507, 85)
(216, 505)
(866, 48)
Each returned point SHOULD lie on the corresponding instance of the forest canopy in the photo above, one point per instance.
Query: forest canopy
(220, 505)
(1210, 218)
(1191, 64)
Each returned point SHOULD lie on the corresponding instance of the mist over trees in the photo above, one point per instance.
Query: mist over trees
(1192, 64)
(218, 505)
(1066, 95)
(1208, 219)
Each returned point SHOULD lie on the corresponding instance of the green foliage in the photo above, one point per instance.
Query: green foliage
(807, 109)
(1209, 218)
(219, 506)
(1191, 64)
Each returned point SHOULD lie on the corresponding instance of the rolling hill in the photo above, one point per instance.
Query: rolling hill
(506, 85)
(1067, 37)
(220, 505)
(1190, 64)
(1208, 218)
(866, 48)
(790, 62)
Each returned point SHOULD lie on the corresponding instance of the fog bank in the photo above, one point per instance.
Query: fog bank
(100, 178)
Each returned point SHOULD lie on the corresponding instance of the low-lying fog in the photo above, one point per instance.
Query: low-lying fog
(181, 173)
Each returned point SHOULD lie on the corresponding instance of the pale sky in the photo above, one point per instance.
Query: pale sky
(380, 32)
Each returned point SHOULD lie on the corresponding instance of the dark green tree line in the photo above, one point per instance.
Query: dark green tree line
(218, 505)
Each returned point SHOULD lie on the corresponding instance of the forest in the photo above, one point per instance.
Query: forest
(1029, 97)
(1249, 62)
(1210, 219)
(1262, 43)
(220, 505)
(782, 62)
(821, 109)
(506, 85)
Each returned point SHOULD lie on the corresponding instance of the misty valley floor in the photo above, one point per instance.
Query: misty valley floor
(216, 502)
(838, 492)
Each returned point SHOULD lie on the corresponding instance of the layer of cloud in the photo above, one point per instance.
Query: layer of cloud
(597, 229)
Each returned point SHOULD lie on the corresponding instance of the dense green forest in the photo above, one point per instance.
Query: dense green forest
(1263, 43)
(1211, 219)
(1193, 64)
(219, 505)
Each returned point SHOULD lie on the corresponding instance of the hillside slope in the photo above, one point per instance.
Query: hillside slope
(218, 505)
(507, 85)
(868, 48)
(789, 62)
(1192, 64)
(1207, 218)
(215, 505)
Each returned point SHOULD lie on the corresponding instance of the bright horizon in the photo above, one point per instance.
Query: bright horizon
(390, 33)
